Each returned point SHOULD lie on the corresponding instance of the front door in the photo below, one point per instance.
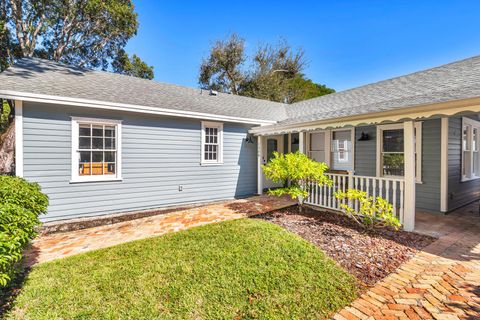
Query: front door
(271, 144)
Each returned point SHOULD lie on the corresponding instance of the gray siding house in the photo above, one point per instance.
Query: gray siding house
(100, 143)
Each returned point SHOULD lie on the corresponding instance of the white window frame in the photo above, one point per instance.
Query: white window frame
(347, 154)
(329, 142)
(470, 175)
(418, 149)
(219, 127)
(75, 177)
(342, 151)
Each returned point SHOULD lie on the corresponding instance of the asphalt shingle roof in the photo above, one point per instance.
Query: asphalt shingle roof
(453, 81)
(37, 76)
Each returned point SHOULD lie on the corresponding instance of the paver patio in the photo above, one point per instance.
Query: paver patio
(59, 245)
(441, 282)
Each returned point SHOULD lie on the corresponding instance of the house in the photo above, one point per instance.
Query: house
(101, 143)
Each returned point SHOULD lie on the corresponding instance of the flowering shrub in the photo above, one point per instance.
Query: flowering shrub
(299, 170)
(21, 204)
(372, 212)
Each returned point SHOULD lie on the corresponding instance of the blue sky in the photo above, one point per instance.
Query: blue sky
(347, 43)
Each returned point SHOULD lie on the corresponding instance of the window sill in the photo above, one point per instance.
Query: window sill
(211, 163)
(469, 179)
(75, 181)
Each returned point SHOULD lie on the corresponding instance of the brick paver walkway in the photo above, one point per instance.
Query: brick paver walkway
(442, 282)
(59, 245)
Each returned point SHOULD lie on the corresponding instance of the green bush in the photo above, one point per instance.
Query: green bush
(14, 190)
(21, 204)
(372, 212)
(299, 170)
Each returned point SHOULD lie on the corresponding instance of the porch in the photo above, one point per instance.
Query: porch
(394, 178)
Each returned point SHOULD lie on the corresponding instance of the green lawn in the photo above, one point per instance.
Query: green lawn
(245, 268)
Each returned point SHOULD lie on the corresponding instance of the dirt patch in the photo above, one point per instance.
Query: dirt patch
(368, 255)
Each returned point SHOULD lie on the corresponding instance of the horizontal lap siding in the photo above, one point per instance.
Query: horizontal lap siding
(158, 155)
(459, 193)
(427, 193)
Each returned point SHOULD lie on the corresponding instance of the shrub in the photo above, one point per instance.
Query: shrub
(299, 170)
(14, 190)
(372, 212)
(21, 204)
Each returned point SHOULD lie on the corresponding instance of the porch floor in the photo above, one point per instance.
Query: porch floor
(440, 282)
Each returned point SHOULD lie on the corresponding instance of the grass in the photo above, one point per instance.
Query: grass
(237, 269)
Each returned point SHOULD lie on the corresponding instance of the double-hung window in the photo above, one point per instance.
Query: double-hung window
(470, 148)
(212, 143)
(391, 152)
(342, 149)
(334, 147)
(96, 150)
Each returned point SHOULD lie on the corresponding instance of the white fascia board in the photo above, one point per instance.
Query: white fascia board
(423, 111)
(15, 95)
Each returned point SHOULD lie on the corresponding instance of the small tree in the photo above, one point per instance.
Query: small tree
(372, 212)
(299, 170)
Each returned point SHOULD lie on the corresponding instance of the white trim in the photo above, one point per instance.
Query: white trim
(259, 165)
(418, 148)
(280, 139)
(301, 142)
(376, 118)
(75, 178)
(473, 124)
(18, 138)
(352, 137)
(126, 107)
(409, 158)
(328, 144)
(444, 165)
(219, 161)
(97, 120)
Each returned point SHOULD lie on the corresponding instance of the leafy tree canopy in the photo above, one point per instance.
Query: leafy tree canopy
(275, 72)
(84, 33)
(132, 66)
(222, 69)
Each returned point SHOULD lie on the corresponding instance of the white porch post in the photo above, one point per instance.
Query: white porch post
(259, 165)
(19, 138)
(444, 166)
(409, 153)
(301, 142)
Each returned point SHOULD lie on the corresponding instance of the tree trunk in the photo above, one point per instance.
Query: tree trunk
(7, 150)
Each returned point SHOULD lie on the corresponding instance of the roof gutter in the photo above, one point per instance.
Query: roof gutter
(87, 103)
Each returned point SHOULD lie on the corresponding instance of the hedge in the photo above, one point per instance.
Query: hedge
(21, 204)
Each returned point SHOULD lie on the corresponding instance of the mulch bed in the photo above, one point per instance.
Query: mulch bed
(370, 255)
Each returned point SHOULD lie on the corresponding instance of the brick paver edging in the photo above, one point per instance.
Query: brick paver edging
(429, 286)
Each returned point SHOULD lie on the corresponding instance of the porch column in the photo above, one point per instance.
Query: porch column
(409, 154)
(19, 138)
(444, 166)
(259, 165)
(301, 142)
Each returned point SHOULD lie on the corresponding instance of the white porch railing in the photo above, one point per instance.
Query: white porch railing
(390, 189)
